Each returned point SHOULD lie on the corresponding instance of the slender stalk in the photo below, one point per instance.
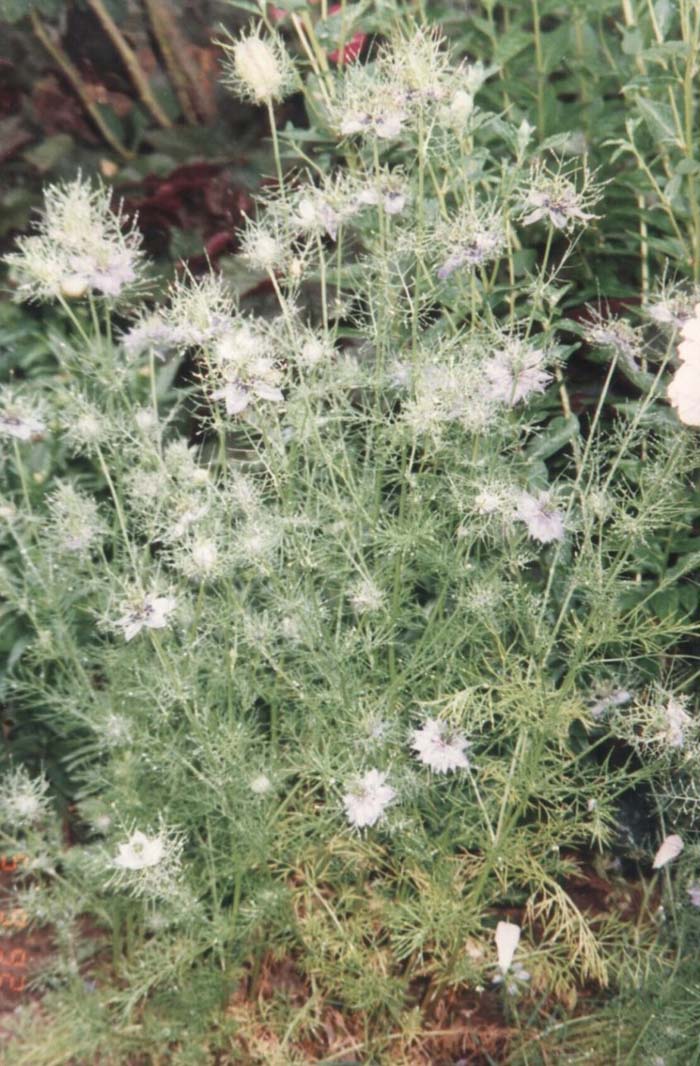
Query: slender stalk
(539, 68)
(275, 145)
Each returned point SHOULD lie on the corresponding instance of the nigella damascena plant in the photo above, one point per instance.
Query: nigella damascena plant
(457, 393)
(371, 105)
(366, 597)
(673, 304)
(266, 246)
(664, 724)
(84, 426)
(82, 247)
(199, 558)
(606, 695)
(419, 65)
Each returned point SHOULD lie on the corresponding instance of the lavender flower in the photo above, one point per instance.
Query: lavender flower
(544, 522)
(516, 372)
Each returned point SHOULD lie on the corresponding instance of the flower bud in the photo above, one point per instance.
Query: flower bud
(73, 287)
(260, 69)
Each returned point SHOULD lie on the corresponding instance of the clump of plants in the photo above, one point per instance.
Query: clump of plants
(358, 627)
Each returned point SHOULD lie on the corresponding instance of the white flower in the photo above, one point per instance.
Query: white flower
(315, 213)
(694, 894)
(677, 722)
(205, 556)
(83, 425)
(684, 393)
(366, 802)
(513, 980)
(366, 597)
(315, 351)
(689, 348)
(74, 517)
(554, 197)
(261, 785)
(151, 333)
(394, 201)
(438, 749)
(389, 125)
(20, 424)
(116, 730)
(475, 249)
(607, 697)
(670, 848)
(607, 331)
(543, 521)
(490, 500)
(561, 209)
(23, 800)
(241, 343)
(152, 612)
(354, 122)
(237, 396)
(460, 107)
(507, 940)
(191, 514)
(140, 852)
(516, 372)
